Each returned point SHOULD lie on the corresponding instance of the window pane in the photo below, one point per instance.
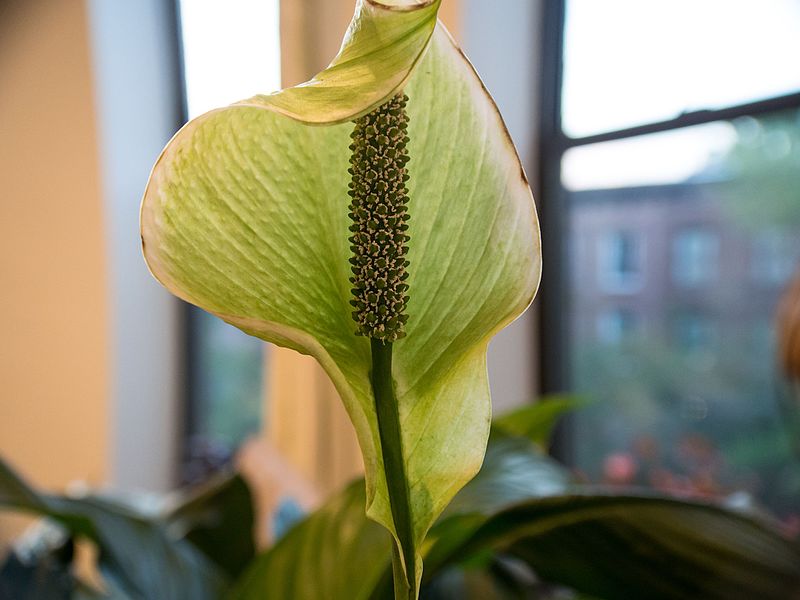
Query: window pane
(227, 394)
(615, 325)
(620, 261)
(628, 62)
(695, 252)
(669, 157)
(231, 51)
(673, 290)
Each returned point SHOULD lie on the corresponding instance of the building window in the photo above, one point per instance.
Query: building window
(774, 257)
(695, 257)
(694, 333)
(615, 325)
(620, 262)
(689, 151)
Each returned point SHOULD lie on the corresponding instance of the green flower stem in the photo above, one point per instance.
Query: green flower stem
(405, 581)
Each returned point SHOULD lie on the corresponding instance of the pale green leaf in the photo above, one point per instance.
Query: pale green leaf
(536, 421)
(334, 554)
(382, 46)
(245, 215)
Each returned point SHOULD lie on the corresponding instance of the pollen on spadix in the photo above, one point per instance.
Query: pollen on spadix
(379, 214)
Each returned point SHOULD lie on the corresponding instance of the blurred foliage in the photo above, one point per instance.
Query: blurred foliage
(687, 423)
(218, 519)
(181, 554)
(764, 171)
(523, 528)
(536, 425)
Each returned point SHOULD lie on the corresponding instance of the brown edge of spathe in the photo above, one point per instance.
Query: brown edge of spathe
(506, 132)
(523, 176)
(401, 8)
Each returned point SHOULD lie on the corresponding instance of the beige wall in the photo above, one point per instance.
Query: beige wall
(53, 315)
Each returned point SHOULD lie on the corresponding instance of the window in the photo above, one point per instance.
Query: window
(670, 173)
(695, 253)
(615, 325)
(620, 262)
(629, 63)
(774, 255)
(694, 333)
(231, 51)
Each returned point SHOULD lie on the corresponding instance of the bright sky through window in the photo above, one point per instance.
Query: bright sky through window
(656, 159)
(231, 51)
(629, 62)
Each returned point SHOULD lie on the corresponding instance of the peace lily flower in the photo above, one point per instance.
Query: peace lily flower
(391, 251)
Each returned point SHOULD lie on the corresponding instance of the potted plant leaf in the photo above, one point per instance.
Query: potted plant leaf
(522, 528)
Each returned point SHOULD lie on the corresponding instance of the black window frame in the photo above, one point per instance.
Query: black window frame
(553, 143)
(188, 314)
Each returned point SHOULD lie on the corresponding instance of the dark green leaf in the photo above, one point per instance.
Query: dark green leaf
(219, 520)
(513, 470)
(134, 550)
(622, 547)
(460, 584)
(47, 575)
(337, 553)
(15, 493)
